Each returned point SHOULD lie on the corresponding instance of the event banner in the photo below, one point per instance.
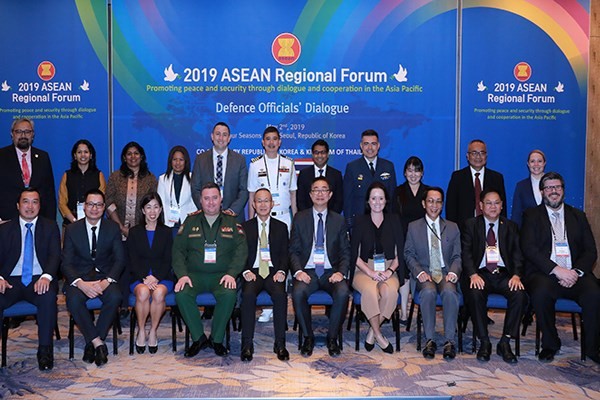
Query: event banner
(51, 75)
(524, 86)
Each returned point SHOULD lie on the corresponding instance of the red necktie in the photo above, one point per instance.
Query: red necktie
(491, 241)
(478, 211)
(25, 168)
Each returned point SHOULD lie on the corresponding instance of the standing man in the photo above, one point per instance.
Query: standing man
(226, 168)
(463, 196)
(320, 157)
(23, 166)
(560, 251)
(93, 258)
(432, 253)
(266, 269)
(362, 172)
(492, 263)
(319, 258)
(209, 251)
(29, 261)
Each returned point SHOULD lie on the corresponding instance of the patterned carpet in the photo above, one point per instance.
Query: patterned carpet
(353, 374)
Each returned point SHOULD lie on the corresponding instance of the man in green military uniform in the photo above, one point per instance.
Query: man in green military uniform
(209, 251)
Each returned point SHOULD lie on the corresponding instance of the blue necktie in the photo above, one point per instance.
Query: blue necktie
(320, 268)
(27, 269)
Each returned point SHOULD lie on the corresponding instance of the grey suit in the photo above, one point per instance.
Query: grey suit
(235, 181)
(416, 255)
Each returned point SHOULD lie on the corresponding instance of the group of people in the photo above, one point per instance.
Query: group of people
(187, 232)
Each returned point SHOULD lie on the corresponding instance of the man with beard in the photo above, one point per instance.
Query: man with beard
(560, 250)
(23, 166)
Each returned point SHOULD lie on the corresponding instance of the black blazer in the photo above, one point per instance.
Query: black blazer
(143, 258)
(42, 179)
(47, 246)
(303, 233)
(333, 176)
(460, 196)
(77, 261)
(536, 240)
(473, 237)
(278, 243)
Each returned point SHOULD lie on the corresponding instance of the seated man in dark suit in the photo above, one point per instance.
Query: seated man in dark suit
(492, 263)
(29, 261)
(319, 258)
(560, 250)
(266, 269)
(93, 257)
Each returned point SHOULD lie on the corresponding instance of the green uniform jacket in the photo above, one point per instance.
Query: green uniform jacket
(188, 246)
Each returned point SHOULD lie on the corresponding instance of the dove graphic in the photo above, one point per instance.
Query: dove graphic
(560, 87)
(481, 87)
(170, 75)
(5, 87)
(85, 86)
(401, 74)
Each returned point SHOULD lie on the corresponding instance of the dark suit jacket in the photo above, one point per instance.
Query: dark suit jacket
(77, 261)
(522, 200)
(337, 243)
(333, 176)
(235, 181)
(416, 248)
(12, 182)
(460, 197)
(536, 240)
(143, 258)
(278, 243)
(474, 243)
(47, 246)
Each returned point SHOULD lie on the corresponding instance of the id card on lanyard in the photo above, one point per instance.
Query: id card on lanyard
(378, 263)
(492, 254)
(80, 212)
(210, 253)
(319, 255)
(174, 214)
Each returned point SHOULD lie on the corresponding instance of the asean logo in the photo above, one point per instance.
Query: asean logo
(522, 71)
(286, 49)
(46, 70)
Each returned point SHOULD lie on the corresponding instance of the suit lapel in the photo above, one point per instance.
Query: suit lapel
(209, 166)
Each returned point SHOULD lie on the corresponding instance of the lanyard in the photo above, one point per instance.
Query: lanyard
(433, 231)
(267, 169)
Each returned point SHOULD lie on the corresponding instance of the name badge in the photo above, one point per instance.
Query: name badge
(174, 214)
(276, 199)
(378, 263)
(562, 249)
(80, 212)
(492, 254)
(265, 254)
(319, 255)
(210, 253)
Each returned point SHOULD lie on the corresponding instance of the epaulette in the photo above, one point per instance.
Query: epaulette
(194, 213)
(288, 157)
(256, 158)
(240, 229)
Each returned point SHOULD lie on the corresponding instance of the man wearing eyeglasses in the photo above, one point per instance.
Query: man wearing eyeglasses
(320, 157)
(93, 258)
(462, 196)
(22, 166)
(560, 250)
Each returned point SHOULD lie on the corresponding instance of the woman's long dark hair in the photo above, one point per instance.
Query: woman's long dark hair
(125, 171)
(92, 164)
(187, 168)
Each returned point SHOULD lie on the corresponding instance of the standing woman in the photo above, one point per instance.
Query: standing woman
(83, 175)
(408, 198)
(377, 252)
(527, 192)
(174, 188)
(149, 246)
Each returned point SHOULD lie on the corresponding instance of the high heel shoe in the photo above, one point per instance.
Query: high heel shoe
(370, 335)
(389, 349)
(152, 349)
(140, 349)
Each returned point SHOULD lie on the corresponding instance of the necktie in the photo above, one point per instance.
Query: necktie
(219, 179)
(435, 257)
(27, 269)
(93, 253)
(372, 168)
(477, 194)
(320, 268)
(25, 170)
(559, 234)
(321, 172)
(491, 241)
(263, 265)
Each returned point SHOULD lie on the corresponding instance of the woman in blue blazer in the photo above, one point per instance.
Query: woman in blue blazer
(527, 193)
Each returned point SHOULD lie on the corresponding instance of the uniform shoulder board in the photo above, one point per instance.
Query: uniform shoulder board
(240, 229)
(288, 157)
(194, 213)
(256, 158)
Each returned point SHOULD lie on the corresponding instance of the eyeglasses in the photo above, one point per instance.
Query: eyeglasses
(23, 132)
(433, 201)
(477, 153)
(553, 187)
(319, 191)
(319, 152)
(94, 205)
(492, 203)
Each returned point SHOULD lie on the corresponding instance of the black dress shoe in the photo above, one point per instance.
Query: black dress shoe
(485, 351)
(333, 348)
(220, 350)
(389, 349)
(449, 351)
(370, 336)
(89, 353)
(503, 350)
(247, 352)
(45, 358)
(152, 349)
(282, 353)
(101, 355)
(196, 346)
(547, 355)
(429, 350)
(307, 346)
(140, 349)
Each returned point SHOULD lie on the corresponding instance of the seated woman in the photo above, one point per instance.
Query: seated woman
(149, 246)
(377, 240)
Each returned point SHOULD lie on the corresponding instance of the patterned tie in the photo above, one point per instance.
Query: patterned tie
(478, 211)
(27, 269)
(320, 268)
(435, 257)
(491, 241)
(559, 235)
(263, 265)
(25, 170)
(93, 252)
(372, 168)
(219, 180)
